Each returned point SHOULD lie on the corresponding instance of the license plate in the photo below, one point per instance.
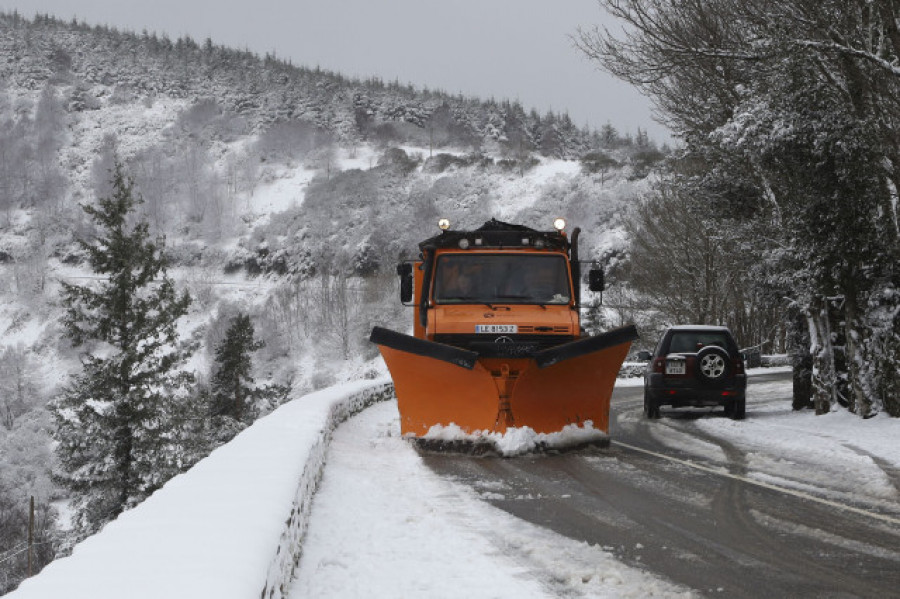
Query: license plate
(675, 367)
(503, 329)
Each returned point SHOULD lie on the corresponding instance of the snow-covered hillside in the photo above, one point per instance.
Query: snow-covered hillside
(287, 195)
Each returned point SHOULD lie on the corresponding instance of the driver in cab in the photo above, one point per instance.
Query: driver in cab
(542, 285)
(456, 284)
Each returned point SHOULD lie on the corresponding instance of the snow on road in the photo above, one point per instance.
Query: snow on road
(384, 525)
(836, 455)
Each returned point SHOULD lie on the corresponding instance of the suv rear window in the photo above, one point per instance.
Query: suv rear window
(689, 342)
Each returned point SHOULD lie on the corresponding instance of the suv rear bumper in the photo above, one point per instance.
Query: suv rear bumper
(668, 392)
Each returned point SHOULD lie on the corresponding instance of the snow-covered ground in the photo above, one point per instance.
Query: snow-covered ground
(226, 529)
(838, 455)
(383, 525)
(407, 532)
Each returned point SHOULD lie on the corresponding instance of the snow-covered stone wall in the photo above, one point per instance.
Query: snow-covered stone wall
(231, 527)
(287, 555)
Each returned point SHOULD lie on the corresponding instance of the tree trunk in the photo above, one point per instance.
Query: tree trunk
(821, 350)
(801, 361)
(860, 400)
(238, 399)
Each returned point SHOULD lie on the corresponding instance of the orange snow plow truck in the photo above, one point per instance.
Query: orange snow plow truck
(497, 339)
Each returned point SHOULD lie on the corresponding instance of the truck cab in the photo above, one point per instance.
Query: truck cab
(500, 290)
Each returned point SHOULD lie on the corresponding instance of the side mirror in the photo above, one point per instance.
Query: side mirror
(404, 270)
(595, 280)
(644, 356)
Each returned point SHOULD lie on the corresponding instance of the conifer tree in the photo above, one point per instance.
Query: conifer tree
(116, 432)
(232, 382)
(594, 321)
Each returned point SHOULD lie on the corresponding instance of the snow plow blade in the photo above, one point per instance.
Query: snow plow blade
(438, 384)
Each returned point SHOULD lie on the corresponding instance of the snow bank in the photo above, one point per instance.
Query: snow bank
(518, 440)
(229, 527)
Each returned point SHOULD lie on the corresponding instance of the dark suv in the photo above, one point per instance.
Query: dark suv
(695, 365)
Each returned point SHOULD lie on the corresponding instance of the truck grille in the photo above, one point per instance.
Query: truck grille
(507, 346)
(563, 329)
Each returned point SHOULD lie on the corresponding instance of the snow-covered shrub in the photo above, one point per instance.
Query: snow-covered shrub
(441, 162)
(398, 158)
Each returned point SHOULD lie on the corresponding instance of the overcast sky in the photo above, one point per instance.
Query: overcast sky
(515, 49)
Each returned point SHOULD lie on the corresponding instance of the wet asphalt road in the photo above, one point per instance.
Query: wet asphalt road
(706, 529)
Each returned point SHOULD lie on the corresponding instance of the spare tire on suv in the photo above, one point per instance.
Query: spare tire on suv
(712, 363)
(696, 365)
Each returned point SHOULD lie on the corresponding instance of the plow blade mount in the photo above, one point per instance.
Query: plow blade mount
(438, 384)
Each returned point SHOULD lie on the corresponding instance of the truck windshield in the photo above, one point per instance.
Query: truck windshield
(501, 279)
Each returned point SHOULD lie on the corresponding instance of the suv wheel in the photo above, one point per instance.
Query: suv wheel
(739, 409)
(651, 407)
(712, 363)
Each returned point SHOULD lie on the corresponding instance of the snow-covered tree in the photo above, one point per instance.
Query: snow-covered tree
(795, 101)
(116, 442)
(49, 136)
(682, 261)
(18, 392)
(232, 387)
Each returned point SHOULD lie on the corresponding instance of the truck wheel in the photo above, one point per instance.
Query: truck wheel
(739, 409)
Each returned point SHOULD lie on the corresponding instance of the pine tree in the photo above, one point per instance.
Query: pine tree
(232, 384)
(595, 321)
(116, 437)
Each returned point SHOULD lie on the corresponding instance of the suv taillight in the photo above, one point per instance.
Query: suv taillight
(738, 365)
(659, 365)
